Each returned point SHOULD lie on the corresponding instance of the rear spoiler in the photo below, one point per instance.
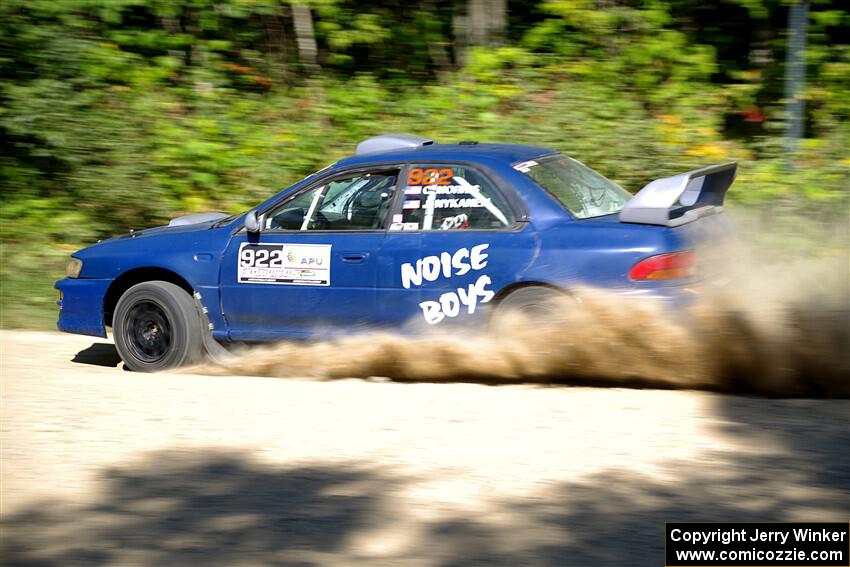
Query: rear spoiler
(672, 201)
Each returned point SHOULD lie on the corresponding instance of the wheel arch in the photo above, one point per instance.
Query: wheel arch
(136, 276)
(509, 289)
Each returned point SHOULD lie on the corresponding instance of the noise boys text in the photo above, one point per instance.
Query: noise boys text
(447, 265)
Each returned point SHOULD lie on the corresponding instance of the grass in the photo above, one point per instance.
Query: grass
(27, 275)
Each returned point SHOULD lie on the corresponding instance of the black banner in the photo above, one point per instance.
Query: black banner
(745, 544)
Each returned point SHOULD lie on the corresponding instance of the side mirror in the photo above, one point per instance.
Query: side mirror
(252, 222)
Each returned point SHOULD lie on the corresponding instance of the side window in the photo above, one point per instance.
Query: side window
(450, 197)
(357, 202)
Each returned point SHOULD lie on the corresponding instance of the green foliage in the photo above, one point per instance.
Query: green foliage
(121, 114)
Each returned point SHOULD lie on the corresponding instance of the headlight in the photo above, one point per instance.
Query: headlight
(73, 268)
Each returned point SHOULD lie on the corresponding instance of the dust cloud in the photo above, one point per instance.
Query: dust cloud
(779, 326)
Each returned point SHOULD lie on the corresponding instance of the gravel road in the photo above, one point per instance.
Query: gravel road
(106, 467)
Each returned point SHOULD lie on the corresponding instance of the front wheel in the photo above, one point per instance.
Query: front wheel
(156, 327)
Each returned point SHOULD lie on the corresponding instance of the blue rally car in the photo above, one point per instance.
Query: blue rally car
(406, 232)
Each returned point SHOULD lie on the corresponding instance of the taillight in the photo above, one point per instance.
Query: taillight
(672, 266)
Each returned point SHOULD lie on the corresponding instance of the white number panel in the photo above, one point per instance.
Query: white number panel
(285, 264)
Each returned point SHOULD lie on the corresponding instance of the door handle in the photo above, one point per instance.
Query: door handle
(355, 257)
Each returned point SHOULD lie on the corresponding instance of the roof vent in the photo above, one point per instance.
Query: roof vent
(389, 142)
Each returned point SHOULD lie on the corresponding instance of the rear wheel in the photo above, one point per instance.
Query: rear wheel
(533, 303)
(156, 327)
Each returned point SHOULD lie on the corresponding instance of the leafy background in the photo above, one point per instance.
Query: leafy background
(119, 114)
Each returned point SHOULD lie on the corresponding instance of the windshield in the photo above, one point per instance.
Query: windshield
(581, 190)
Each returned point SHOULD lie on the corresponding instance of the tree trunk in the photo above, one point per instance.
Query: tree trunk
(278, 45)
(486, 22)
(460, 33)
(305, 36)
(436, 46)
(795, 78)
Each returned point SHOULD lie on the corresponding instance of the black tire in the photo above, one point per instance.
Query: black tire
(532, 301)
(156, 326)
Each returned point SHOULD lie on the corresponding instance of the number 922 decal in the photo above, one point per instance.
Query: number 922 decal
(285, 264)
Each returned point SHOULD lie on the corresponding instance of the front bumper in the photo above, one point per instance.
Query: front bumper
(81, 306)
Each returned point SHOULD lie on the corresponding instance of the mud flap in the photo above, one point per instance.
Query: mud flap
(216, 352)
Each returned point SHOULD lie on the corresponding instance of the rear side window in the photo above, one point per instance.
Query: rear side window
(580, 190)
(450, 197)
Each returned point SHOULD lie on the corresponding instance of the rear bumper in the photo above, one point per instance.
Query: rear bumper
(671, 296)
(81, 306)
(677, 295)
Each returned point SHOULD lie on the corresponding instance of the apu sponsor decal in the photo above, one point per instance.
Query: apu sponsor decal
(448, 265)
(284, 264)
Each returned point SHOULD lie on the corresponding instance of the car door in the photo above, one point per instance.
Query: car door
(312, 269)
(456, 238)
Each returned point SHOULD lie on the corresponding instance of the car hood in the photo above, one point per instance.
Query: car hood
(185, 224)
(197, 218)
